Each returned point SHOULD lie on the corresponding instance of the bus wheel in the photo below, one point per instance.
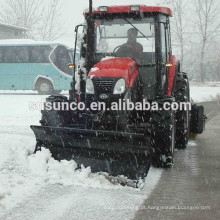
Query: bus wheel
(44, 87)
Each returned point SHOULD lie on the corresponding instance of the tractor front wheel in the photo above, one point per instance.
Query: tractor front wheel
(182, 115)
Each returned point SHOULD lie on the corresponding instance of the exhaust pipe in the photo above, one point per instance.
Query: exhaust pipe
(90, 7)
(90, 38)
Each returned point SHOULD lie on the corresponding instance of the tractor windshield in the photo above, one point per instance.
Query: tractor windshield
(133, 38)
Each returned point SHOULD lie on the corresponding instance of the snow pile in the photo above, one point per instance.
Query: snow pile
(14, 176)
(42, 166)
(24, 169)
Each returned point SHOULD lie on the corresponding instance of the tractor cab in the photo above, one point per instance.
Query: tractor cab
(134, 40)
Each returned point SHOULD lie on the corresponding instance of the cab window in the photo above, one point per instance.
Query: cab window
(164, 43)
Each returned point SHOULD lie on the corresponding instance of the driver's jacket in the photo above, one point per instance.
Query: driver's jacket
(131, 50)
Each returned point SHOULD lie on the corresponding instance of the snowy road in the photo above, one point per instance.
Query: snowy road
(194, 181)
(75, 202)
(37, 187)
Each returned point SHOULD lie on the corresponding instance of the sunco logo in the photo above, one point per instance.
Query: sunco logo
(103, 96)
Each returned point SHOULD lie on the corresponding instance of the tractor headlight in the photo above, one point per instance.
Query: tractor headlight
(119, 87)
(89, 87)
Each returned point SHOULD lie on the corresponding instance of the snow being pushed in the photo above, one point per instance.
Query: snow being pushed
(42, 165)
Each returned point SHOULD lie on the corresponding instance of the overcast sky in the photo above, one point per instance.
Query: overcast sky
(72, 12)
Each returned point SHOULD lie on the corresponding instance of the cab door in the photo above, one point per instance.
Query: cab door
(164, 51)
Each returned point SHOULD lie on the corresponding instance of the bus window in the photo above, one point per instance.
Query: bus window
(40, 54)
(16, 55)
(61, 58)
(1, 55)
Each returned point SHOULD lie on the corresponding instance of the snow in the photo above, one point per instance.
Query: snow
(107, 58)
(94, 69)
(65, 173)
(13, 26)
(24, 174)
(192, 144)
(26, 92)
(203, 93)
(83, 69)
(17, 41)
(91, 76)
(30, 42)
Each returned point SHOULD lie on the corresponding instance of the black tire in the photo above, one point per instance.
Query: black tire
(44, 87)
(182, 116)
(163, 138)
(197, 120)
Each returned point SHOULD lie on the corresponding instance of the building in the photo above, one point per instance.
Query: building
(12, 32)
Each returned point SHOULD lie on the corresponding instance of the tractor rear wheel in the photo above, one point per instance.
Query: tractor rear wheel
(182, 115)
(163, 138)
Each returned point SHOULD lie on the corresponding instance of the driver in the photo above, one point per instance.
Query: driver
(132, 48)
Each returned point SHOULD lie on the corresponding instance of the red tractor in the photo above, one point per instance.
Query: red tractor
(126, 55)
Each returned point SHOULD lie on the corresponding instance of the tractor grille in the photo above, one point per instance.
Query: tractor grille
(104, 85)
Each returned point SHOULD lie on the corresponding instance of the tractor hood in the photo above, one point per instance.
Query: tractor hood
(117, 68)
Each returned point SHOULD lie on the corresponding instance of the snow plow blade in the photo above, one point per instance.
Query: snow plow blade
(117, 153)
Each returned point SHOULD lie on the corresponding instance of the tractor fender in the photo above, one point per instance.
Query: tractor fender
(42, 77)
(181, 75)
(173, 75)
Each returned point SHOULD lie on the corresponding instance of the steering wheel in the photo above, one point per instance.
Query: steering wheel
(126, 52)
(114, 51)
(118, 48)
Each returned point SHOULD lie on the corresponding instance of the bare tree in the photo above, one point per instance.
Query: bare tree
(40, 18)
(50, 27)
(206, 21)
(179, 8)
(25, 13)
